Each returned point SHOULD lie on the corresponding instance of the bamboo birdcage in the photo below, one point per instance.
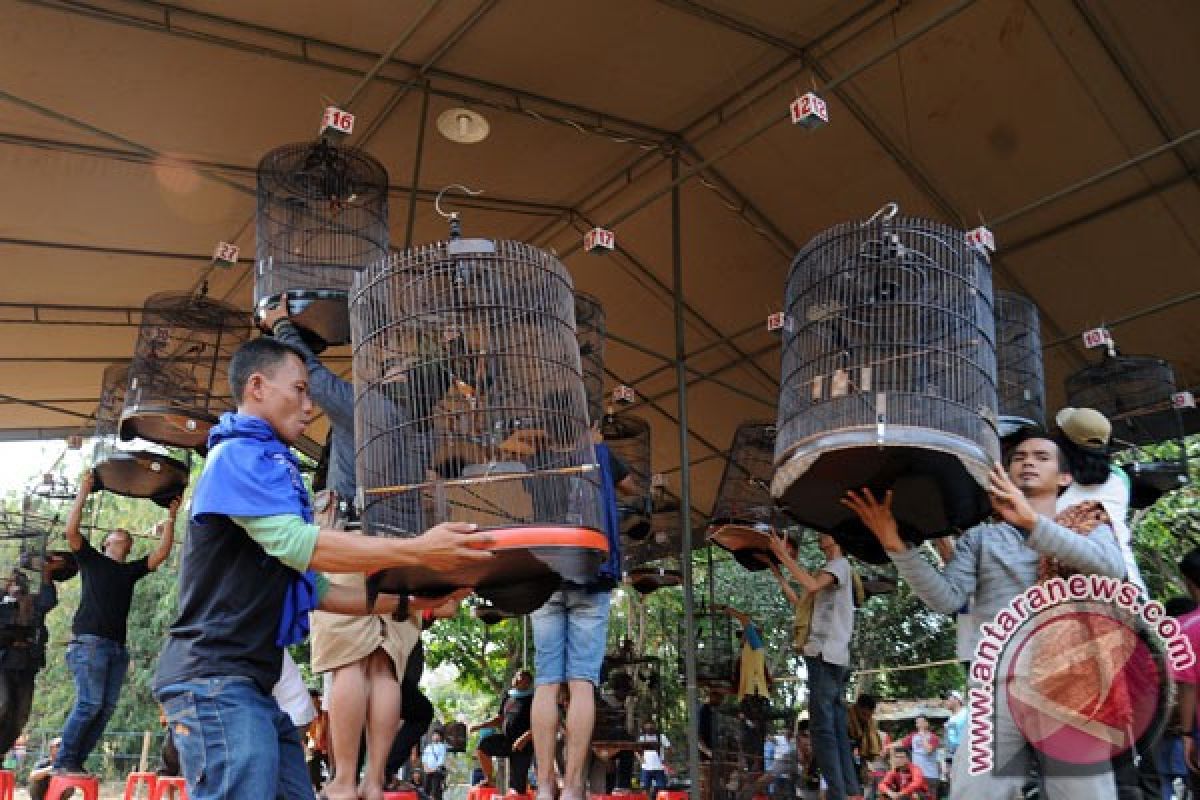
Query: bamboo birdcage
(654, 562)
(1020, 376)
(131, 471)
(470, 406)
(1136, 394)
(628, 439)
(889, 377)
(322, 216)
(744, 514)
(178, 381)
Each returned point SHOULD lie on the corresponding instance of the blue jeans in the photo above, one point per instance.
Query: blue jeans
(569, 634)
(653, 780)
(234, 743)
(99, 666)
(827, 723)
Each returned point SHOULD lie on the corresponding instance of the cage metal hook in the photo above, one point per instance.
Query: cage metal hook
(437, 203)
(886, 212)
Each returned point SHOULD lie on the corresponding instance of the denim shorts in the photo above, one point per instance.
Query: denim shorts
(569, 636)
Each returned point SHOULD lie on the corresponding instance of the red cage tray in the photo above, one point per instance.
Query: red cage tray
(528, 564)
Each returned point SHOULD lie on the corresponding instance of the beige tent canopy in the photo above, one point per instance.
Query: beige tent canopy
(130, 129)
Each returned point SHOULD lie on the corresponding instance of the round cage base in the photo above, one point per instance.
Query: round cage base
(1151, 480)
(750, 545)
(527, 565)
(938, 485)
(650, 579)
(143, 475)
(322, 315)
(168, 425)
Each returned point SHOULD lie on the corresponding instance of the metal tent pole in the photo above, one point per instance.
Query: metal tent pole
(685, 498)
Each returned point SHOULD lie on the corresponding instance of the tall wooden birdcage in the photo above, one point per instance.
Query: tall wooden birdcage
(591, 332)
(654, 562)
(715, 647)
(628, 439)
(1020, 376)
(178, 381)
(129, 469)
(470, 405)
(889, 377)
(322, 217)
(744, 514)
(1136, 393)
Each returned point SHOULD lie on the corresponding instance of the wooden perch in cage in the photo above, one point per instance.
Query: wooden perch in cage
(508, 476)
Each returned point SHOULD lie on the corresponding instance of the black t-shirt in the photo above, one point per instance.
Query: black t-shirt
(231, 596)
(515, 714)
(107, 593)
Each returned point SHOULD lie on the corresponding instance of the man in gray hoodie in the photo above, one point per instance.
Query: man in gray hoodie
(996, 562)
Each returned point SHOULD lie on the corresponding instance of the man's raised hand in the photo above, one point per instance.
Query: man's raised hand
(1009, 501)
(876, 516)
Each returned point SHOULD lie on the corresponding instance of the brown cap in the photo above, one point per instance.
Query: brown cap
(1086, 427)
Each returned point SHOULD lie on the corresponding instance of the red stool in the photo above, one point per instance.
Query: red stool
(163, 783)
(405, 795)
(8, 784)
(672, 795)
(87, 784)
(481, 793)
(137, 779)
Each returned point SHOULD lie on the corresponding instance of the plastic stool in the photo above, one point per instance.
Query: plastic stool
(165, 782)
(673, 794)
(136, 779)
(481, 793)
(8, 784)
(405, 795)
(87, 784)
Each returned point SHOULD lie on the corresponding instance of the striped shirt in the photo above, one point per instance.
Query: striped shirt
(995, 562)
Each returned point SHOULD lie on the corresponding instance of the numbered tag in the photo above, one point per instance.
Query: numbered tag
(1097, 337)
(982, 240)
(624, 395)
(599, 241)
(809, 111)
(226, 254)
(336, 122)
(1183, 400)
(779, 321)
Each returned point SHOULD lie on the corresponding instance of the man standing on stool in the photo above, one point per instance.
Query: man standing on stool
(97, 655)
